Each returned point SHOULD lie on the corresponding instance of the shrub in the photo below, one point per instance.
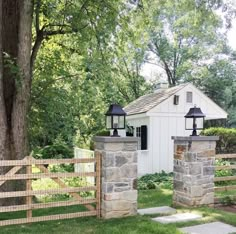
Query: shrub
(157, 180)
(59, 149)
(227, 141)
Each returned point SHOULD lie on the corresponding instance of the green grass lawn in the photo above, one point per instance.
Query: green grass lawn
(154, 197)
(130, 225)
(225, 193)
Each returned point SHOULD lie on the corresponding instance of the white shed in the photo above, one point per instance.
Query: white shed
(158, 116)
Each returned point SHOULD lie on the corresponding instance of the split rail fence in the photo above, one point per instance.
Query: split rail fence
(232, 167)
(91, 203)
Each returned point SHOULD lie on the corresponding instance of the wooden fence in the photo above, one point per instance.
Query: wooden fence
(232, 166)
(92, 203)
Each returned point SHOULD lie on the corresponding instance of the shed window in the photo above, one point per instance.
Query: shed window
(176, 100)
(141, 132)
(189, 97)
(138, 132)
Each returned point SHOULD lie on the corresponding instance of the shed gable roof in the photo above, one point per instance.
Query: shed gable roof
(149, 101)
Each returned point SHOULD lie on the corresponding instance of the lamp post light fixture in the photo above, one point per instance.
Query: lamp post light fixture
(194, 120)
(115, 118)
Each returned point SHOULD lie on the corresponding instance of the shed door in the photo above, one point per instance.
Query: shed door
(143, 137)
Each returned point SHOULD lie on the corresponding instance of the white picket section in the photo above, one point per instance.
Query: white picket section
(84, 167)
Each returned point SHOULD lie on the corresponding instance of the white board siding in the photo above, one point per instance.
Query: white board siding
(159, 155)
(155, 144)
(138, 122)
(144, 156)
(164, 157)
(208, 107)
(162, 148)
(144, 162)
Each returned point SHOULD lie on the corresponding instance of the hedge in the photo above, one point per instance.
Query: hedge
(227, 142)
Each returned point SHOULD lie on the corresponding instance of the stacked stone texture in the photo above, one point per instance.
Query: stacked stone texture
(194, 170)
(119, 175)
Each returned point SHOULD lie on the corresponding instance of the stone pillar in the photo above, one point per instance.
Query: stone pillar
(119, 175)
(194, 158)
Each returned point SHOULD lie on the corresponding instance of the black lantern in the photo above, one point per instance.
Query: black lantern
(115, 118)
(194, 120)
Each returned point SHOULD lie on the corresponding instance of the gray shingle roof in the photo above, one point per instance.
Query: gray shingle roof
(149, 101)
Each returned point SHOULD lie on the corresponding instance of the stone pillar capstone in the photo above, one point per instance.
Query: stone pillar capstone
(194, 158)
(119, 175)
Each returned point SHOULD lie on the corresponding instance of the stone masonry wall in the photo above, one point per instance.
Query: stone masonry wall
(194, 170)
(119, 175)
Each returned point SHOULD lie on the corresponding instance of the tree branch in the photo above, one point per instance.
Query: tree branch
(35, 49)
(38, 4)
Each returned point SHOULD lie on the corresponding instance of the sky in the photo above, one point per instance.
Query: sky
(232, 35)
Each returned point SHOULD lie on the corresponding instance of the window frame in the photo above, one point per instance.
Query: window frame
(176, 100)
(189, 95)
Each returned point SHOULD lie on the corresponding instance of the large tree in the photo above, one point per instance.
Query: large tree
(15, 76)
(15, 79)
(19, 46)
(182, 35)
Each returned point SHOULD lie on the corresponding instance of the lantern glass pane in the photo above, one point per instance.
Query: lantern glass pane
(115, 121)
(199, 122)
(108, 122)
(188, 123)
(121, 122)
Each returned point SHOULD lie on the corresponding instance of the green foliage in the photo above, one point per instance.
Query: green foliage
(223, 173)
(227, 142)
(93, 52)
(59, 149)
(47, 183)
(157, 180)
(180, 35)
(62, 168)
(78, 72)
(218, 81)
(227, 200)
(13, 68)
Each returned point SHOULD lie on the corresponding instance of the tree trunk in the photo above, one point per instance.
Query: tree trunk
(15, 83)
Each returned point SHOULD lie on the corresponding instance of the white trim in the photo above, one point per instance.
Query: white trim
(222, 114)
(208, 99)
(136, 116)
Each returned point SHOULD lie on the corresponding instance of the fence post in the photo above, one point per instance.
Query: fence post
(28, 187)
(119, 175)
(98, 183)
(194, 158)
